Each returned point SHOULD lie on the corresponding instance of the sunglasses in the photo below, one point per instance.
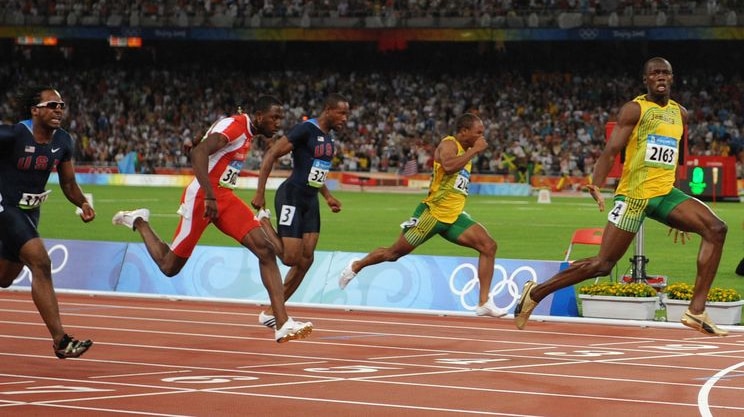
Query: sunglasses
(52, 105)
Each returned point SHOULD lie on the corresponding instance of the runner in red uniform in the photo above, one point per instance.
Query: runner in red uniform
(209, 198)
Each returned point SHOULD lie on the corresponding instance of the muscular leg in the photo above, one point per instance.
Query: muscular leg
(34, 255)
(168, 262)
(256, 242)
(400, 248)
(298, 271)
(299, 254)
(273, 238)
(9, 271)
(615, 243)
(478, 238)
(694, 216)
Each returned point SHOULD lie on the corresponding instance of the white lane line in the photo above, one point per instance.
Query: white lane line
(138, 374)
(386, 405)
(408, 356)
(269, 365)
(111, 410)
(533, 393)
(703, 405)
(645, 339)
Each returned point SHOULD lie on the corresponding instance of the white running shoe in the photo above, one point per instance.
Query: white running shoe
(266, 320)
(127, 218)
(490, 309)
(347, 274)
(263, 214)
(293, 330)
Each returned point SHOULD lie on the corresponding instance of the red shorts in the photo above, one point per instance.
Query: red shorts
(235, 218)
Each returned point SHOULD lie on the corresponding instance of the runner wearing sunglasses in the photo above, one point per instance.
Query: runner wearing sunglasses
(29, 151)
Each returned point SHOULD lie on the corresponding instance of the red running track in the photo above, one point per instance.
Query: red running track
(158, 357)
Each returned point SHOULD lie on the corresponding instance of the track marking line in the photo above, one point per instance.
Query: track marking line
(704, 393)
(407, 356)
(138, 374)
(269, 365)
(393, 406)
(111, 410)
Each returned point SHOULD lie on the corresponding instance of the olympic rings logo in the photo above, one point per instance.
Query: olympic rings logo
(25, 272)
(588, 34)
(99, 170)
(507, 284)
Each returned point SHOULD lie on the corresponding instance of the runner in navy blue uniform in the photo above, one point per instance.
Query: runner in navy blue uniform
(296, 203)
(29, 151)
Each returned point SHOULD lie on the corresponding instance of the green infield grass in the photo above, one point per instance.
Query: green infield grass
(523, 228)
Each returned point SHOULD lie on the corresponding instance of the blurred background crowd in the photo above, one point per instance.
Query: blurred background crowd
(388, 13)
(545, 104)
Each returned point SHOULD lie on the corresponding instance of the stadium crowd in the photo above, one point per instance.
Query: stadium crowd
(238, 13)
(550, 123)
(547, 121)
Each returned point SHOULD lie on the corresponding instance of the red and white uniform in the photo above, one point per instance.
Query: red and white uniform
(235, 217)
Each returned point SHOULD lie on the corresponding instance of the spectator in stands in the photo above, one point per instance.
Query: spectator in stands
(442, 213)
(558, 110)
(29, 152)
(217, 160)
(649, 131)
(311, 144)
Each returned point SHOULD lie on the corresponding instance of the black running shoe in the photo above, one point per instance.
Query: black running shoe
(71, 348)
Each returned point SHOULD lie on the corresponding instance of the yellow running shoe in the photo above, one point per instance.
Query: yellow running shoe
(525, 305)
(702, 323)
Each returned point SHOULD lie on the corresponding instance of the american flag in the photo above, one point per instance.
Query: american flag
(410, 168)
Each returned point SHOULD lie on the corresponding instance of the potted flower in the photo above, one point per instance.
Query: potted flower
(618, 300)
(723, 305)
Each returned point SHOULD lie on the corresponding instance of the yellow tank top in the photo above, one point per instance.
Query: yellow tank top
(652, 151)
(447, 192)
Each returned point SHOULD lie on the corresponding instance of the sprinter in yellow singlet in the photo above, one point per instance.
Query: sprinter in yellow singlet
(649, 129)
(441, 213)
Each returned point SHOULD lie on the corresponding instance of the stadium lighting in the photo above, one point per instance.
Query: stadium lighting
(125, 42)
(37, 40)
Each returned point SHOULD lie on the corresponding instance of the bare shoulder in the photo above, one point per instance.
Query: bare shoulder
(683, 111)
(630, 113)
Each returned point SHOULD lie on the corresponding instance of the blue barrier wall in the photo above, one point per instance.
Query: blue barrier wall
(500, 188)
(413, 282)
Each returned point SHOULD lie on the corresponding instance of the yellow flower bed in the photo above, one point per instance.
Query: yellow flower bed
(634, 289)
(683, 291)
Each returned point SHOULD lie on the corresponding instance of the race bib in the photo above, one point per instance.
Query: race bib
(318, 173)
(286, 215)
(30, 201)
(617, 212)
(661, 152)
(462, 182)
(229, 177)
